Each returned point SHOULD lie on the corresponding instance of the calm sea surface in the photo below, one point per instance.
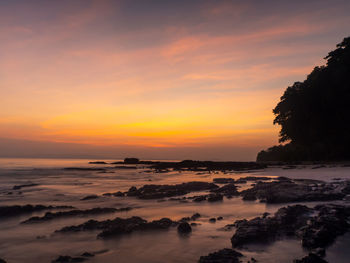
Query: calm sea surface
(56, 186)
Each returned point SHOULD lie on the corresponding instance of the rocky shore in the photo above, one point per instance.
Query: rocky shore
(315, 225)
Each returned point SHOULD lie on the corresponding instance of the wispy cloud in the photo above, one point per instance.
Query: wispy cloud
(170, 75)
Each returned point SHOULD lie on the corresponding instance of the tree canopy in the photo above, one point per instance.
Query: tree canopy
(314, 115)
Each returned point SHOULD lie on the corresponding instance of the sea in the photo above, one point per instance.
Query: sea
(52, 184)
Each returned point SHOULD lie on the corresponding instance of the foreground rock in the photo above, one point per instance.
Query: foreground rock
(322, 230)
(116, 194)
(184, 228)
(263, 229)
(285, 191)
(225, 255)
(223, 180)
(316, 228)
(15, 210)
(227, 190)
(69, 259)
(89, 197)
(311, 258)
(83, 257)
(18, 187)
(215, 197)
(93, 211)
(2, 260)
(153, 191)
(119, 226)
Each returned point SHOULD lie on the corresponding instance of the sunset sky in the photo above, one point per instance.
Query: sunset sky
(155, 79)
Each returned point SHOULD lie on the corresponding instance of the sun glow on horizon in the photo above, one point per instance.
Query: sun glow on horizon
(115, 73)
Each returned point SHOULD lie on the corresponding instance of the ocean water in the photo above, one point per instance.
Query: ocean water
(56, 186)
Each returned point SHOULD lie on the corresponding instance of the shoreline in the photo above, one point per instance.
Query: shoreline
(223, 198)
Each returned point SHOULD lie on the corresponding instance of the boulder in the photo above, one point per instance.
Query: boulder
(153, 191)
(184, 228)
(131, 160)
(311, 258)
(225, 255)
(119, 226)
(215, 197)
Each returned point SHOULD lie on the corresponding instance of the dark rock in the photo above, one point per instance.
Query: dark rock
(97, 162)
(212, 220)
(249, 196)
(285, 222)
(320, 252)
(68, 259)
(208, 166)
(125, 226)
(322, 230)
(223, 180)
(265, 215)
(87, 255)
(256, 178)
(125, 167)
(118, 194)
(131, 160)
(184, 227)
(2, 260)
(195, 216)
(229, 189)
(89, 197)
(215, 197)
(225, 255)
(176, 198)
(316, 231)
(200, 198)
(219, 218)
(241, 181)
(93, 211)
(228, 227)
(8, 211)
(160, 191)
(289, 191)
(311, 258)
(132, 191)
(119, 226)
(18, 187)
(346, 189)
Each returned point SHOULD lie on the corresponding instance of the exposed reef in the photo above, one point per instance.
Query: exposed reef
(18, 187)
(316, 228)
(285, 190)
(72, 213)
(153, 191)
(119, 226)
(208, 166)
(225, 255)
(15, 210)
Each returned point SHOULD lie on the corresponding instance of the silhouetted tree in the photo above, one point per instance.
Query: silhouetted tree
(315, 114)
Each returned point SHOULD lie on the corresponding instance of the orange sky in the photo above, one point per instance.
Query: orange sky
(161, 75)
